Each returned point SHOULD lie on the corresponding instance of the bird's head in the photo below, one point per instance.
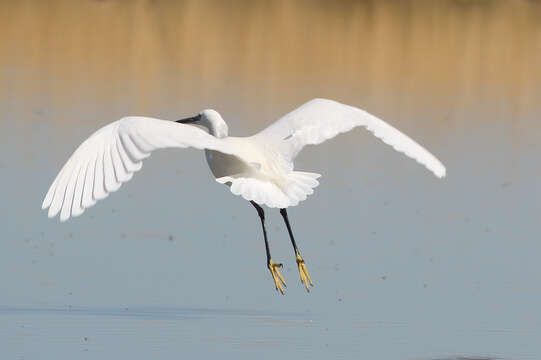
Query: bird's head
(211, 120)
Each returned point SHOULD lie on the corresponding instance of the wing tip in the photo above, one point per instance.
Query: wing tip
(48, 199)
(440, 172)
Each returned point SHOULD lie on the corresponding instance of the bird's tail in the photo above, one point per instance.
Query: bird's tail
(300, 185)
(296, 188)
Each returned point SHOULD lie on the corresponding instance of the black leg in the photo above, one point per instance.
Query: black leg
(279, 281)
(261, 214)
(303, 272)
(283, 212)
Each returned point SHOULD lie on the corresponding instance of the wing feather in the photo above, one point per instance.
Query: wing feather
(321, 119)
(70, 190)
(111, 156)
(144, 143)
(136, 154)
(111, 185)
(88, 199)
(130, 165)
(76, 207)
(58, 198)
(50, 194)
(125, 173)
(99, 176)
(120, 170)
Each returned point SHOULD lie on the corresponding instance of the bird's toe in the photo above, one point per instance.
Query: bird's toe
(303, 272)
(279, 281)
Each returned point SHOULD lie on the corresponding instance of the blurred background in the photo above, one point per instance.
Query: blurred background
(405, 266)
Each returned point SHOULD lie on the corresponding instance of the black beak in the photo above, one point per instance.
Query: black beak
(190, 119)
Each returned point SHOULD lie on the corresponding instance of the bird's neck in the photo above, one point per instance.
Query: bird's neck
(218, 129)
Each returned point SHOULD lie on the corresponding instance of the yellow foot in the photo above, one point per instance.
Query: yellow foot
(305, 278)
(279, 281)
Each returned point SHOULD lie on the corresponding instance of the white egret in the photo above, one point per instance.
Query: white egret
(259, 168)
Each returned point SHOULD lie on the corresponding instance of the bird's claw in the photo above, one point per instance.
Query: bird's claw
(279, 280)
(305, 278)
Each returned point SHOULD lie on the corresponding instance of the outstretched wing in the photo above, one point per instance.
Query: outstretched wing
(111, 156)
(320, 119)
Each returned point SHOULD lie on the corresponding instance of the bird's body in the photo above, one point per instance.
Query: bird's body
(259, 168)
(261, 175)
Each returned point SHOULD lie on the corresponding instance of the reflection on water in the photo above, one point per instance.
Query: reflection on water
(152, 313)
(405, 266)
(468, 358)
(142, 55)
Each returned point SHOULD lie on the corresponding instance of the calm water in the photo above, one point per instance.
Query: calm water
(171, 266)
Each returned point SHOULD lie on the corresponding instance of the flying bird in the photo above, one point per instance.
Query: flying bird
(259, 168)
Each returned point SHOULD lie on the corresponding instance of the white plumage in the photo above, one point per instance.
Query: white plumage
(259, 167)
